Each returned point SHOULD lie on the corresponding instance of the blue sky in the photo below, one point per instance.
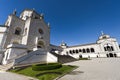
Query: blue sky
(73, 21)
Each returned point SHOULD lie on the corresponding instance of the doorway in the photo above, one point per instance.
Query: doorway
(111, 55)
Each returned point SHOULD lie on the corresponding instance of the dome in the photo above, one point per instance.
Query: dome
(104, 36)
(63, 44)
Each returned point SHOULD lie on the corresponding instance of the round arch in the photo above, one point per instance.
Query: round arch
(77, 51)
(18, 31)
(70, 52)
(111, 55)
(92, 50)
(73, 51)
(80, 50)
(84, 51)
(108, 47)
(88, 50)
(40, 44)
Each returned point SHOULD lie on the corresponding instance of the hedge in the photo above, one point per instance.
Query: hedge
(50, 66)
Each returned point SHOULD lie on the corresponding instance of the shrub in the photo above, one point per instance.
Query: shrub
(50, 66)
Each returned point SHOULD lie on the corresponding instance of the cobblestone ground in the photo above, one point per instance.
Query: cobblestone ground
(13, 76)
(95, 69)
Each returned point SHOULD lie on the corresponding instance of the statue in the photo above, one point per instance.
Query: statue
(102, 32)
(14, 12)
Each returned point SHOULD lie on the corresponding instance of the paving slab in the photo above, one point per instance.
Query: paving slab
(95, 69)
(12, 76)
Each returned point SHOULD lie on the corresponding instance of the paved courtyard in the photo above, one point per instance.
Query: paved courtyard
(95, 69)
(13, 76)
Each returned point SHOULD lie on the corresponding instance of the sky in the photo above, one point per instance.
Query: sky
(72, 21)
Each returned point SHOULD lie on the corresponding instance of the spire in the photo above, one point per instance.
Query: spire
(62, 41)
(63, 44)
(102, 32)
(14, 12)
(33, 9)
(48, 24)
(41, 16)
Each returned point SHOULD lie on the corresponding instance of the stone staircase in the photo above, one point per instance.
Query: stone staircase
(64, 58)
(31, 58)
(6, 67)
(35, 57)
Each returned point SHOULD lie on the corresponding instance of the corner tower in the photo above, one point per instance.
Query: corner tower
(107, 43)
(36, 31)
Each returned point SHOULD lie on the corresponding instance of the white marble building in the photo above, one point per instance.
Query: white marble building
(25, 39)
(105, 46)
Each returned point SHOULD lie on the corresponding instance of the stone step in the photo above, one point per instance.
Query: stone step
(64, 58)
(6, 67)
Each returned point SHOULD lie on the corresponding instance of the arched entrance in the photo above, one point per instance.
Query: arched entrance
(40, 44)
(111, 55)
(115, 55)
(80, 56)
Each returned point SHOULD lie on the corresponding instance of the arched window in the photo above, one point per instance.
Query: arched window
(108, 48)
(84, 51)
(77, 51)
(92, 50)
(80, 50)
(112, 48)
(73, 51)
(70, 52)
(88, 50)
(40, 31)
(105, 48)
(18, 31)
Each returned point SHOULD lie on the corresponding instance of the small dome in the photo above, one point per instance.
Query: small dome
(104, 36)
(63, 44)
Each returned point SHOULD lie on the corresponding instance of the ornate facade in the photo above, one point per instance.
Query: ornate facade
(105, 46)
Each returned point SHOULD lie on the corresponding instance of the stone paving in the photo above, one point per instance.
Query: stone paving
(95, 69)
(12, 76)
